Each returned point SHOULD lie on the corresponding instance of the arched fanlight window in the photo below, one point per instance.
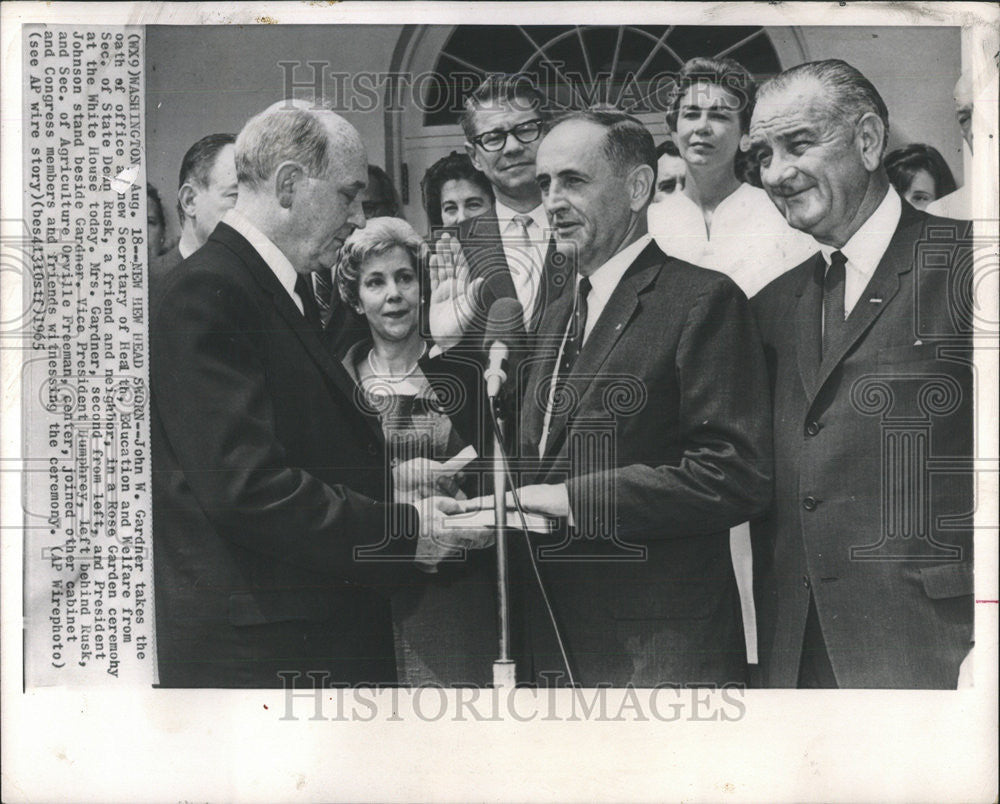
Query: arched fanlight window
(627, 66)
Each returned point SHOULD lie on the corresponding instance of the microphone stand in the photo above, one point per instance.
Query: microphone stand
(504, 674)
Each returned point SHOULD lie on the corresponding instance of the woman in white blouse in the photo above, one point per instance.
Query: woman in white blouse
(718, 220)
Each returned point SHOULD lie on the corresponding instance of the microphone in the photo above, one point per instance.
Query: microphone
(506, 318)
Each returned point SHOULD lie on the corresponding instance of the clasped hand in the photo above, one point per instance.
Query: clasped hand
(549, 499)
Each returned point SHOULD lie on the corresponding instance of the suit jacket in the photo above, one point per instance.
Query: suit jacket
(861, 519)
(483, 249)
(267, 479)
(664, 442)
(165, 262)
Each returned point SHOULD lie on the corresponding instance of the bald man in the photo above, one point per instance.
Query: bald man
(273, 541)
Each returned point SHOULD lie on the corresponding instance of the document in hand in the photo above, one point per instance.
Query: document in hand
(485, 518)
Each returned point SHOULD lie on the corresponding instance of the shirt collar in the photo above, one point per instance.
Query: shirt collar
(867, 246)
(270, 253)
(505, 215)
(606, 278)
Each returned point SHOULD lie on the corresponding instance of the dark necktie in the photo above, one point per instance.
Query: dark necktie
(575, 329)
(833, 300)
(323, 284)
(303, 287)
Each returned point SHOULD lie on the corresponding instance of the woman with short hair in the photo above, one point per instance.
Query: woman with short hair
(428, 408)
(919, 174)
(453, 191)
(719, 220)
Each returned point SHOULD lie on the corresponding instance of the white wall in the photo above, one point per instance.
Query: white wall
(207, 79)
(914, 69)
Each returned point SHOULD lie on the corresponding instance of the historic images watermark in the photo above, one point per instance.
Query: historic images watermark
(312, 699)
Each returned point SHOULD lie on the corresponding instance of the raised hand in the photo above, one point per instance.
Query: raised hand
(453, 295)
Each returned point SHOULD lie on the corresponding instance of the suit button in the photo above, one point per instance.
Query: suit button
(812, 428)
(372, 449)
(805, 581)
(810, 503)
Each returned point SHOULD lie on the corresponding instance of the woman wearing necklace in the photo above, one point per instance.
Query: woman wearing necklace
(445, 624)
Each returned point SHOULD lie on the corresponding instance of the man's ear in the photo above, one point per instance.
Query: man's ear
(470, 149)
(286, 180)
(871, 139)
(186, 198)
(640, 186)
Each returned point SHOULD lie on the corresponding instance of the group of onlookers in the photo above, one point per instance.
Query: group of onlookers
(317, 364)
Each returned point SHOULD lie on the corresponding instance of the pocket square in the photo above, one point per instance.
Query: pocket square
(918, 342)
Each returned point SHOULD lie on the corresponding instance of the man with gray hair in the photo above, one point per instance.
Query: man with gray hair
(863, 564)
(648, 423)
(272, 536)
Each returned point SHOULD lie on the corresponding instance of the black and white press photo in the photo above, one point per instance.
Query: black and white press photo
(585, 374)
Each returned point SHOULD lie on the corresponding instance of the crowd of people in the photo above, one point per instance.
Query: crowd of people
(699, 335)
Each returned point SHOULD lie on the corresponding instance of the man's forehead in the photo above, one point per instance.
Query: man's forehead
(224, 166)
(570, 145)
(799, 105)
(503, 114)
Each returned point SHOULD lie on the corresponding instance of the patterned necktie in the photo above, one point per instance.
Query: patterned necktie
(522, 264)
(310, 310)
(833, 300)
(323, 285)
(576, 328)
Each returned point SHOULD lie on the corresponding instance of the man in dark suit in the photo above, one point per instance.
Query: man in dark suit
(863, 566)
(206, 189)
(648, 428)
(272, 538)
(507, 253)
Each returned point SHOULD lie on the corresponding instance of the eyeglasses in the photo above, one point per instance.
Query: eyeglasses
(525, 132)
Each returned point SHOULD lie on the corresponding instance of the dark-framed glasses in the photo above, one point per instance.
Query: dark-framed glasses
(528, 131)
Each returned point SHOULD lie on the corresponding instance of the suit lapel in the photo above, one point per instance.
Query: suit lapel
(556, 274)
(553, 324)
(876, 297)
(809, 314)
(483, 247)
(311, 340)
(610, 327)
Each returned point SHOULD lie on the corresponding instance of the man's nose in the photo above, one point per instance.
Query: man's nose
(553, 198)
(702, 123)
(512, 145)
(777, 170)
(356, 214)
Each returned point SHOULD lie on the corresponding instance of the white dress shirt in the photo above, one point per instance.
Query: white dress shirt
(270, 253)
(750, 242)
(525, 261)
(867, 246)
(603, 282)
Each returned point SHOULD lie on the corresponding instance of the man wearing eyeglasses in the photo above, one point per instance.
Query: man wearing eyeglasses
(508, 254)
